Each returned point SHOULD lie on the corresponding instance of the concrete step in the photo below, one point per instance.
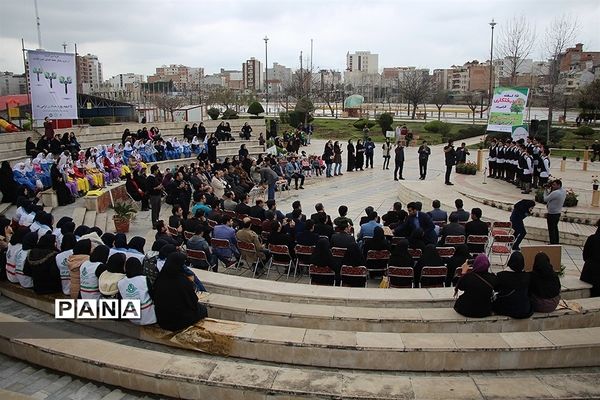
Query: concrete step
(79, 215)
(101, 221)
(89, 218)
(238, 286)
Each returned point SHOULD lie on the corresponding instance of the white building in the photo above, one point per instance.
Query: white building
(12, 84)
(124, 81)
(89, 73)
(279, 73)
(362, 61)
(253, 75)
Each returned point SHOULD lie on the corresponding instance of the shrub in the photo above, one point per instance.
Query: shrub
(98, 121)
(255, 108)
(213, 113)
(570, 199)
(584, 131)
(362, 122)
(467, 168)
(257, 117)
(385, 121)
(27, 126)
(295, 118)
(230, 114)
(437, 127)
(284, 117)
(471, 131)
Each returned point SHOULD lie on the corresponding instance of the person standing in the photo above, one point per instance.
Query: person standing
(360, 155)
(270, 178)
(369, 151)
(337, 159)
(351, 158)
(493, 150)
(461, 154)
(450, 155)
(387, 147)
(554, 196)
(424, 152)
(48, 129)
(155, 190)
(328, 158)
(399, 161)
(521, 210)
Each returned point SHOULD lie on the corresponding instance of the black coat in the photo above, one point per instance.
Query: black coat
(476, 301)
(591, 263)
(40, 265)
(513, 294)
(175, 301)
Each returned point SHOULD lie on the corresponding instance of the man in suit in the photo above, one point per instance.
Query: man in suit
(463, 216)
(436, 214)
(308, 237)
(476, 227)
(320, 210)
(343, 239)
(243, 207)
(450, 160)
(451, 229)
(321, 226)
(258, 210)
(420, 220)
(424, 152)
(246, 234)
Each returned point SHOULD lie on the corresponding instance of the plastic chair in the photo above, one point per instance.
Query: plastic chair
(477, 243)
(501, 228)
(453, 240)
(377, 261)
(223, 244)
(198, 255)
(338, 252)
(445, 252)
(247, 249)
(502, 246)
(415, 254)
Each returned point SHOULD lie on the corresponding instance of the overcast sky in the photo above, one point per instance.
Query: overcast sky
(138, 35)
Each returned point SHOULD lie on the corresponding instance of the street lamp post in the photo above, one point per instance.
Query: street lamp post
(492, 24)
(266, 39)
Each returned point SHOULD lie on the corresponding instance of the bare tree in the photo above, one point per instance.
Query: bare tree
(415, 87)
(222, 96)
(169, 103)
(474, 100)
(517, 39)
(440, 99)
(559, 34)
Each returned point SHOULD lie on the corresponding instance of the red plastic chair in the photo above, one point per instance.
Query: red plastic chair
(433, 276)
(303, 254)
(198, 255)
(280, 257)
(338, 252)
(223, 244)
(400, 277)
(415, 254)
(248, 249)
(354, 276)
(445, 252)
(477, 243)
(453, 240)
(377, 261)
(501, 228)
(321, 276)
(502, 246)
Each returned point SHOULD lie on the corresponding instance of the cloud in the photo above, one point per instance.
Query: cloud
(139, 35)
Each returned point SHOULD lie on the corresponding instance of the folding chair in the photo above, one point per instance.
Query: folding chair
(211, 223)
(256, 225)
(454, 240)
(247, 249)
(354, 276)
(502, 246)
(445, 252)
(477, 244)
(280, 257)
(400, 277)
(433, 276)
(303, 254)
(396, 240)
(188, 235)
(321, 276)
(230, 214)
(501, 228)
(223, 244)
(338, 252)
(415, 254)
(172, 231)
(264, 236)
(198, 255)
(377, 261)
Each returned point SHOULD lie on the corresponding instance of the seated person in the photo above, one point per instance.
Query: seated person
(367, 229)
(477, 286)
(512, 286)
(198, 242)
(462, 215)
(225, 231)
(476, 227)
(395, 216)
(377, 242)
(246, 234)
(451, 229)
(320, 209)
(308, 237)
(544, 289)
(400, 256)
(437, 214)
(322, 257)
(339, 221)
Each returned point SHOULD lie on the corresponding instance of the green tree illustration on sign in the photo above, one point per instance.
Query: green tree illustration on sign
(517, 106)
(65, 80)
(50, 76)
(37, 71)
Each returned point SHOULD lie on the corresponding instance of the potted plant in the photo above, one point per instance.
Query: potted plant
(124, 213)
(595, 182)
(564, 158)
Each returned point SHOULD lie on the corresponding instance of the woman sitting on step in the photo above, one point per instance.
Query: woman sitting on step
(544, 289)
(478, 288)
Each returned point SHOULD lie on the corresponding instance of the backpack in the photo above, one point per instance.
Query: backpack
(150, 269)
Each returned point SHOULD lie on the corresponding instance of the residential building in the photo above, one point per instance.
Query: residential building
(183, 77)
(233, 79)
(479, 76)
(362, 61)
(89, 74)
(124, 81)
(442, 79)
(575, 59)
(12, 83)
(252, 75)
(279, 73)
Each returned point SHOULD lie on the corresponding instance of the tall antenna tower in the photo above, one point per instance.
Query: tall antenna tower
(37, 20)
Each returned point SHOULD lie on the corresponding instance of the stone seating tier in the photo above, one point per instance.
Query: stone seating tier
(381, 351)
(191, 377)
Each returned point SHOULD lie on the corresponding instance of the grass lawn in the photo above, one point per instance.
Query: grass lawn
(342, 130)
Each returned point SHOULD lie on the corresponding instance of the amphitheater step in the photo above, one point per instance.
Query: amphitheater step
(79, 215)
(378, 351)
(89, 218)
(188, 377)
(101, 221)
(231, 285)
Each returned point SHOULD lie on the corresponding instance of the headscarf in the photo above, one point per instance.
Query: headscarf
(100, 254)
(400, 256)
(18, 235)
(166, 250)
(133, 267)
(63, 221)
(116, 263)
(108, 239)
(158, 244)
(481, 263)
(44, 218)
(120, 241)
(137, 243)
(68, 242)
(83, 247)
(516, 262)
(430, 257)
(173, 265)
(322, 256)
(67, 227)
(47, 242)
(82, 230)
(30, 240)
(541, 264)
